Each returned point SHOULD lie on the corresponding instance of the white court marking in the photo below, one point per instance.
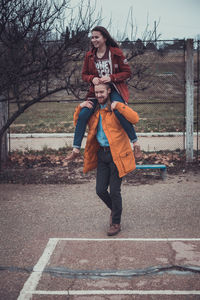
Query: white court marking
(35, 276)
(30, 285)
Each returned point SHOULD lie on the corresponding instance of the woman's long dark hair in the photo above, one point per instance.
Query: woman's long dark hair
(109, 40)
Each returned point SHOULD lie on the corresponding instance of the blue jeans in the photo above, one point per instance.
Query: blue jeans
(86, 113)
(83, 118)
(128, 127)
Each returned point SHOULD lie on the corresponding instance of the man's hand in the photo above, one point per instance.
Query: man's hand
(105, 79)
(96, 80)
(87, 103)
(113, 105)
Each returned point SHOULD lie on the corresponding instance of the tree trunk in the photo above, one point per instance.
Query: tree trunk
(3, 138)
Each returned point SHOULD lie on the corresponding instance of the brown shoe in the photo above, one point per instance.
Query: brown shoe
(73, 155)
(137, 152)
(114, 229)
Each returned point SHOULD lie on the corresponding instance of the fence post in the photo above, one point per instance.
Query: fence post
(3, 119)
(189, 100)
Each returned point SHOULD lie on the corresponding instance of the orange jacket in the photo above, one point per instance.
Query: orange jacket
(118, 139)
(120, 71)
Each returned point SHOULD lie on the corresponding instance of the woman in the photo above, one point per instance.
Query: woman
(104, 63)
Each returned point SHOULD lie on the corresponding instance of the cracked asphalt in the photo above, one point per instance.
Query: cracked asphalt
(32, 214)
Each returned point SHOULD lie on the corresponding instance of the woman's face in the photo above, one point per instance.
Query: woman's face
(97, 39)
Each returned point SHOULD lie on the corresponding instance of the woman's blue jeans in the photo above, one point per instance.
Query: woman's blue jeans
(86, 113)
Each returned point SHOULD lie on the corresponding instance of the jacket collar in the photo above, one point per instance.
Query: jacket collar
(98, 108)
(113, 50)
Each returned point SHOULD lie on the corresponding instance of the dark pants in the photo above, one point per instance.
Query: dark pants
(107, 175)
(86, 113)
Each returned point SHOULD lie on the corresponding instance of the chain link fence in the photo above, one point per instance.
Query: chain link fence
(157, 93)
(197, 95)
(161, 105)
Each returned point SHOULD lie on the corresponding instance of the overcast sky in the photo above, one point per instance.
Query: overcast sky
(178, 18)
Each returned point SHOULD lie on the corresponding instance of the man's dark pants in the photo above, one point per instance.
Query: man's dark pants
(107, 175)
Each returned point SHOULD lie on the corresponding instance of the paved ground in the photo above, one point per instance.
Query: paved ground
(39, 223)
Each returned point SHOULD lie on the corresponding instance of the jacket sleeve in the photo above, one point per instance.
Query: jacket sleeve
(76, 114)
(127, 112)
(86, 75)
(124, 70)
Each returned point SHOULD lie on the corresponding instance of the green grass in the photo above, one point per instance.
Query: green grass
(58, 117)
(166, 83)
(160, 117)
(45, 117)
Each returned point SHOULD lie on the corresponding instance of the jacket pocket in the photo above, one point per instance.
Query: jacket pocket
(127, 161)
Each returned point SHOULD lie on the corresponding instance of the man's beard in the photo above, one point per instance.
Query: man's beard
(104, 102)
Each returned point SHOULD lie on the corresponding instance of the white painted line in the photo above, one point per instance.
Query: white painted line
(30, 285)
(116, 292)
(32, 281)
(130, 239)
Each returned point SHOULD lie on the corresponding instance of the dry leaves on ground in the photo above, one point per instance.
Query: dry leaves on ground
(52, 167)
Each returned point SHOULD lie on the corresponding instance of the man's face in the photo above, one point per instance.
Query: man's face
(101, 93)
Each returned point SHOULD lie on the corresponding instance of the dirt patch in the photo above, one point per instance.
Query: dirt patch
(40, 167)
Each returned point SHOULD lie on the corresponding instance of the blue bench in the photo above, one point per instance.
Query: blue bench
(162, 168)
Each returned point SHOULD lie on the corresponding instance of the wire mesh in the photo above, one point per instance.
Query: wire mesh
(157, 93)
(197, 95)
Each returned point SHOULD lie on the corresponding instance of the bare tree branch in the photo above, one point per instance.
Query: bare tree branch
(42, 47)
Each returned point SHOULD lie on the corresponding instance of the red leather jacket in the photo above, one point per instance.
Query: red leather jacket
(119, 73)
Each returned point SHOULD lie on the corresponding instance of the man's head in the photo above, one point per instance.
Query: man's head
(102, 92)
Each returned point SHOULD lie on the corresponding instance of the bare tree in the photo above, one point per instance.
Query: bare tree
(41, 43)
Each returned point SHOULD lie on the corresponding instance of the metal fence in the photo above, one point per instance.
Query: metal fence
(161, 105)
(158, 95)
(197, 94)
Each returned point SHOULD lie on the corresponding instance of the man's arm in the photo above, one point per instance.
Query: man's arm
(126, 111)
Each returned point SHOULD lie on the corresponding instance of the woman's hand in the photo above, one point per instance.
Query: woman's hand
(96, 80)
(87, 103)
(113, 105)
(105, 79)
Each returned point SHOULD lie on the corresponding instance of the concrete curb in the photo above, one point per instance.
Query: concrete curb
(70, 135)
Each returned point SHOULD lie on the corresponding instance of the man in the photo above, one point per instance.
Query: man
(108, 148)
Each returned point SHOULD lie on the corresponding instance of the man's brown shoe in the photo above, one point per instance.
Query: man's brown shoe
(114, 229)
(73, 155)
